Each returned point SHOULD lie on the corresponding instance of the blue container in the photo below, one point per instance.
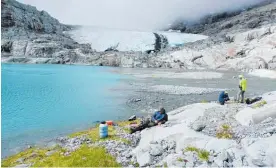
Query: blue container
(103, 130)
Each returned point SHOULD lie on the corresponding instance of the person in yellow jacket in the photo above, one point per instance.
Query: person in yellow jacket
(242, 86)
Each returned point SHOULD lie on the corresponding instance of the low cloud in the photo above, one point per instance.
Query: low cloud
(133, 14)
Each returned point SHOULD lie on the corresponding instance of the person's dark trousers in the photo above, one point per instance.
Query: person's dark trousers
(222, 102)
(147, 124)
(242, 96)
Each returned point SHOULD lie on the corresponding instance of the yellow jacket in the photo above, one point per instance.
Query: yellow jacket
(243, 84)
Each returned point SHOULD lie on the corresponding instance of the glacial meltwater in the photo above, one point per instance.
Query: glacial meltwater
(41, 102)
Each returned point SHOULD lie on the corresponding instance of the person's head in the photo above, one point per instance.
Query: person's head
(162, 110)
(225, 92)
(240, 77)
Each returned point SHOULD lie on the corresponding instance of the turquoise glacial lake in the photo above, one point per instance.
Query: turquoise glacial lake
(42, 102)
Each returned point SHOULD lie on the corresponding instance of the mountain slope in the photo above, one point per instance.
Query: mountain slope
(241, 20)
(32, 36)
(18, 15)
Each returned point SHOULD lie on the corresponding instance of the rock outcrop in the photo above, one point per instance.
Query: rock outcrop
(32, 36)
(239, 41)
(15, 14)
(240, 20)
(252, 49)
(180, 143)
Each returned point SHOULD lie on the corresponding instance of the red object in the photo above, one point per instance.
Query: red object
(109, 122)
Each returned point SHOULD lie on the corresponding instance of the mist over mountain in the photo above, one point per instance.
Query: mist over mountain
(134, 14)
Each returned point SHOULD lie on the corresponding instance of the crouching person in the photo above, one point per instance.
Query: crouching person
(158, 118)
(223, 97)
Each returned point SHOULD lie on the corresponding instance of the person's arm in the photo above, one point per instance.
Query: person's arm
(153, 118)
(240, 85)
(160, 117)
(227, 98)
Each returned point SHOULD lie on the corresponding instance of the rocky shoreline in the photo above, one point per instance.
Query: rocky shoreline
(194, 129)
(196, 135)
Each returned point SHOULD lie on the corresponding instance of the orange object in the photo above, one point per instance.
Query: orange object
(109, 122)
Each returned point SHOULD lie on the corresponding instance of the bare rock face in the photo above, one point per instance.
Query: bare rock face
(16, 14)
(253, 17)
(32, 36)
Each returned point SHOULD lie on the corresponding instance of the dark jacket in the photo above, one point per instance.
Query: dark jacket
(223, 97)
(157, 116)
(165, 119)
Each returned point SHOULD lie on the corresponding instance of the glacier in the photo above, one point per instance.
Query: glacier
(103, 38)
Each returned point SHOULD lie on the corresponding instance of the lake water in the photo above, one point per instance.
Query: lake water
(40, 102)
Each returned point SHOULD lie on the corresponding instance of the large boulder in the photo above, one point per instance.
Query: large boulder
(260, 152)
(144, 159)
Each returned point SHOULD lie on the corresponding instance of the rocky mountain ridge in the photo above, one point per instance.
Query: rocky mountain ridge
(32, 36)
(239, 20)
(18, 15)
(241, 42)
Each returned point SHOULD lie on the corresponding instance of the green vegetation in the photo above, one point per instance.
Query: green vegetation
(180, 159)
(259, 104)
(165, 164)
(224, 132)
(201, 153)
(135, 164)
(29, 156)
(192, 149)
(85, 156)
(93, 133)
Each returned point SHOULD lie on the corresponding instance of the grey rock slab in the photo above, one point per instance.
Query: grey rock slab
(156, 150)
(20, 160)
(144, 159)
(171, 144)
(198, 126)
(49, 153)
(220, 144)
(23, 165)
(258, 162)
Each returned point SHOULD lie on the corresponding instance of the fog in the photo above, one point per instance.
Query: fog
(133, 14)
